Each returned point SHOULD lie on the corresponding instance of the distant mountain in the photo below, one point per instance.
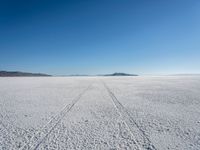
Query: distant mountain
(20, 74)
(120, 74)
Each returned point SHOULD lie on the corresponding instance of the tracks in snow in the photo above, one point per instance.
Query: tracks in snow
(140, 138)
(43, 133)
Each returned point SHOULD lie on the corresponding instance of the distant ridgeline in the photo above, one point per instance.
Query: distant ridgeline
(21, 74)
(120, 74)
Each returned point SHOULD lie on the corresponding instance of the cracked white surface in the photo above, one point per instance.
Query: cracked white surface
(160, 111)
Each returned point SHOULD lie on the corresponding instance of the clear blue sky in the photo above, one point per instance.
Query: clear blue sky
(104, 36)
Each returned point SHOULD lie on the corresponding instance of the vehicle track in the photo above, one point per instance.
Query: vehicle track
(141, 139)
(44, 132)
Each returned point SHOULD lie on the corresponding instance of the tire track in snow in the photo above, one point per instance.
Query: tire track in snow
(140, 138)
(44, 132)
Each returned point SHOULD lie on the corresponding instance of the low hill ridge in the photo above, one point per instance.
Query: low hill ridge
(121, 74)
(20, 74)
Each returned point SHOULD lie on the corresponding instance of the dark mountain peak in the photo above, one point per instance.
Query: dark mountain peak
(120, 74)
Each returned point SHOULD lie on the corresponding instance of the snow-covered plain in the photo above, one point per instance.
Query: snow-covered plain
(160, 112)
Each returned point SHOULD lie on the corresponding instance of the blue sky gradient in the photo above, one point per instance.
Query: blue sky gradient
(97, 37)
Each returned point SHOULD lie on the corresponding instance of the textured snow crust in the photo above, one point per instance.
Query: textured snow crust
(154, 113)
